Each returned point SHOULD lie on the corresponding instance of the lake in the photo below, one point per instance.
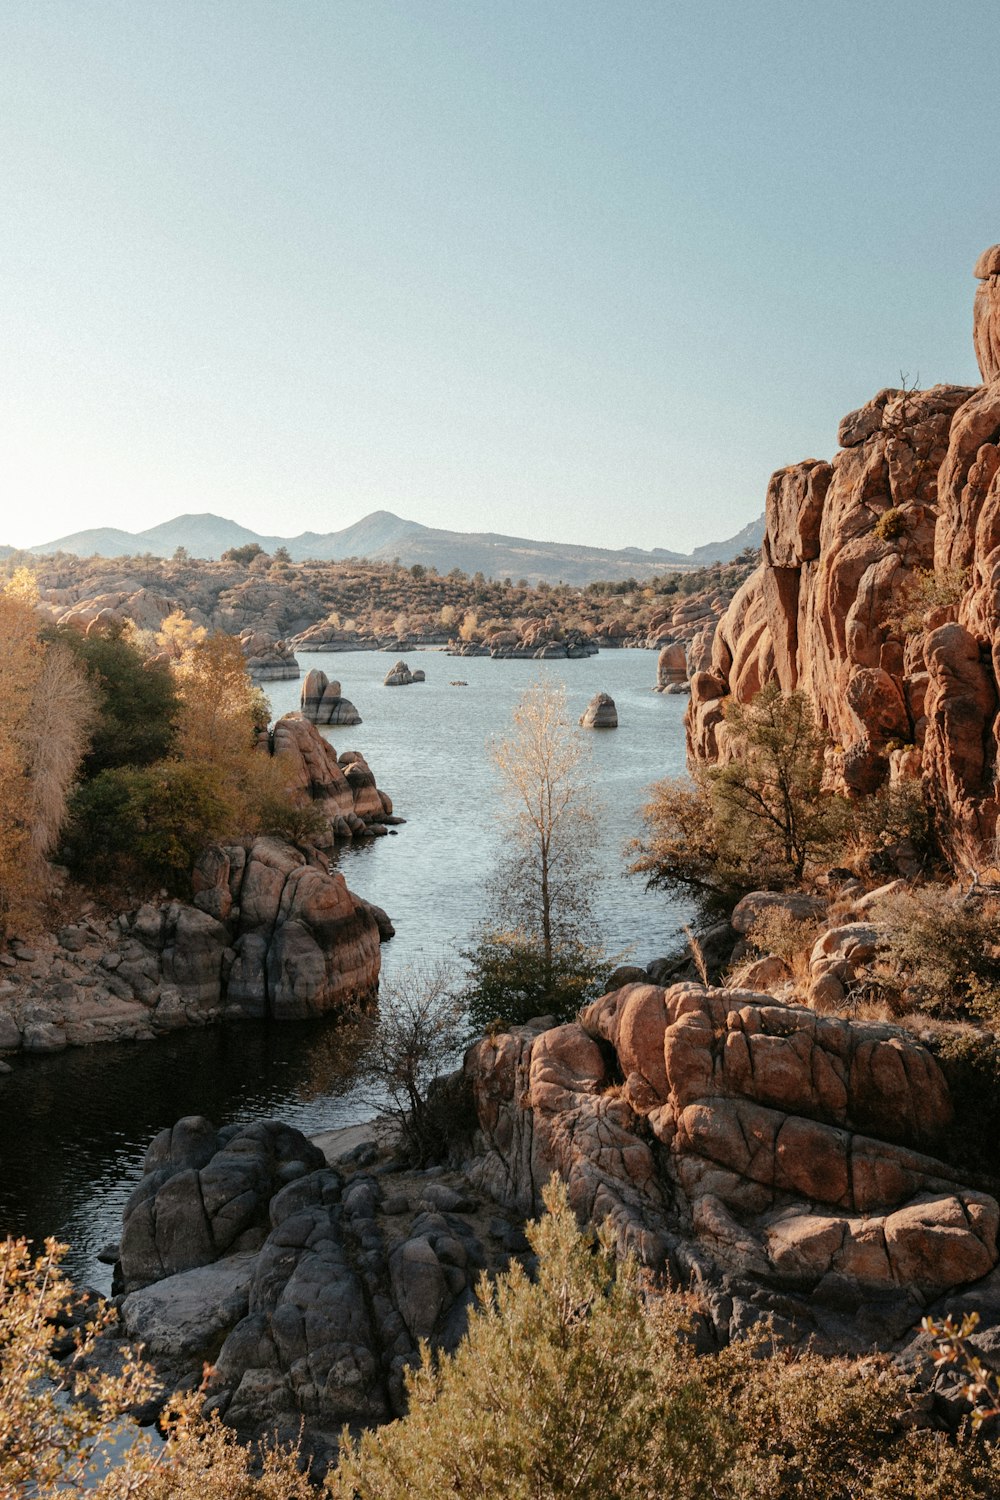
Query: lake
(74, 1126)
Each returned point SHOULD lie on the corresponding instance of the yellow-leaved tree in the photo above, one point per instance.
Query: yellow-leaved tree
(46, 711)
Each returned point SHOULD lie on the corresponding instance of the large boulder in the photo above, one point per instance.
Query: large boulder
(321, 701)
(600, 713)
(267, 659)
(205, 1193)
(671, 666)
(307, 1286)
(986, 313)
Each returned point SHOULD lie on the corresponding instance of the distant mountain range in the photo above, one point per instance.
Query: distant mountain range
(382, 537)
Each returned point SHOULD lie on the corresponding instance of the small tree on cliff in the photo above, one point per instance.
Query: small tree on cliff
(758, 820)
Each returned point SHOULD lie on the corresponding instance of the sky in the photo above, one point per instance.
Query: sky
(587, 270)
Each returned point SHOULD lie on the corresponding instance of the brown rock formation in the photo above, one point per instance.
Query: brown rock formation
(751, 1137)
(268, 934)
(343, 787)
(321, 701)
(916, 486)
(600, 713)
(268, 660)
(672, 668)
(986, 313)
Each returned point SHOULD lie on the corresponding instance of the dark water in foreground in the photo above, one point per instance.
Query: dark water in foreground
(73, 1127)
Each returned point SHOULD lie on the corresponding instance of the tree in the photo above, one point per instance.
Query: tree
(757, 820)
(149, 822)
(46, 711)
(244, 554)
(416, 1036)
(531, 956)
(62, 1424)
(220, 708)
(542, 886)
(137, 704)
(510, 982)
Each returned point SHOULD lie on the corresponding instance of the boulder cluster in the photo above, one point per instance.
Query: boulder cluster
(535, 640)
(321, 701)
(308, 1278)
(268, 660)
(879, 594)
(401, 676)
(342, 787)
(779, 1160)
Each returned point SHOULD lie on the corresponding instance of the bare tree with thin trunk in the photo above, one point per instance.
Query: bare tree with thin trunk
(543, 883)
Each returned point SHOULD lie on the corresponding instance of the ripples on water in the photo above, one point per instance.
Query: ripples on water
(73, 1128)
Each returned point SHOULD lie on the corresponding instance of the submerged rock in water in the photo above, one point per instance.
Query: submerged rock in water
(600, 713)
(321, 701)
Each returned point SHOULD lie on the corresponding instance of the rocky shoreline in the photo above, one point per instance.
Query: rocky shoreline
(777, 1163)
(271, 931)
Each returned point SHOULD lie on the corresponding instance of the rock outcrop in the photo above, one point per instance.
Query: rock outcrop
(776, 1157)
(268, 660)
(672, 668)
(600, 713)
(307, 1284)
(321, 701)
(142, 606)
(534, 640)
(401, 676)
(342, 787)
(903, 672)
(267, 934)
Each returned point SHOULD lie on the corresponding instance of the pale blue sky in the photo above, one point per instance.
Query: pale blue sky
(585, 270)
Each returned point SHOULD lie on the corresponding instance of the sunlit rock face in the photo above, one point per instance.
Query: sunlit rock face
(744, 1142)
(905, 684)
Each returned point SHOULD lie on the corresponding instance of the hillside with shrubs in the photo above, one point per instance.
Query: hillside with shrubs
(360, 603)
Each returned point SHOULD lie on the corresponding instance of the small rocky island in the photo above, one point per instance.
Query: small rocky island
(600, 713)
(321, 701)
(401, 676)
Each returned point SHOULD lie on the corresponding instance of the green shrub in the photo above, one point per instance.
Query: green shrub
(757, 821)
(510, 980)
(150, 821)
(928, 589)
(891, 525)
(941, 951)
(137, 707)
(563, 1386)
(894, 815)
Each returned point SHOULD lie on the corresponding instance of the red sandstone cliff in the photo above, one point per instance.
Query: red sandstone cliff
(915, 486)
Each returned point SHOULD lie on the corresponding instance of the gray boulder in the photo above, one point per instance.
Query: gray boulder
(203, 1190)
(600, 713)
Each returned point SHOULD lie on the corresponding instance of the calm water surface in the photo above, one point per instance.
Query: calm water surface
(74, 1127)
